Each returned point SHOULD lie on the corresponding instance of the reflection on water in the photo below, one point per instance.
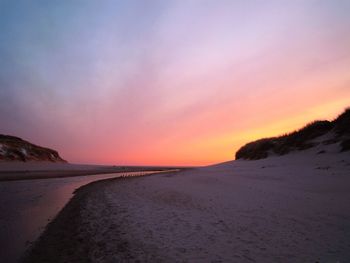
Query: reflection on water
(27, 206)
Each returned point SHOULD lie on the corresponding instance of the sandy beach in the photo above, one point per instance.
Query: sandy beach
(175, 131)
(27, 205)
(292, 208)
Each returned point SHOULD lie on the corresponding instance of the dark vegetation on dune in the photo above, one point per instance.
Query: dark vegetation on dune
(16, 149)
(300, 139)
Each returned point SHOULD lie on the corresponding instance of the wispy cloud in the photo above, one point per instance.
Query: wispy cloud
(167, 81)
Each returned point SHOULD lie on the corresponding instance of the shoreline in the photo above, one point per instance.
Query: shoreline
(69, 221)
(28, 206)
(10, 172)
(282, 209)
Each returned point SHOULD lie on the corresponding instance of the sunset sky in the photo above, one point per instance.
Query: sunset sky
(168, 82)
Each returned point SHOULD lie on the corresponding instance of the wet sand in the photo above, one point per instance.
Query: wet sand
(13, 171)
(27, 206)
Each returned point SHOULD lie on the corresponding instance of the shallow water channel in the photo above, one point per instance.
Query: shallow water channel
(27, 206)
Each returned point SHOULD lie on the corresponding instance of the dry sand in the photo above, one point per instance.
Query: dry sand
(293, 208)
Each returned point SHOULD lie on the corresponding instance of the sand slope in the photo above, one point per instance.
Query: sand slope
(293, 208)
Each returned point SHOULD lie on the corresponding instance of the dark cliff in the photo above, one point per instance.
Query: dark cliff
(16, 149)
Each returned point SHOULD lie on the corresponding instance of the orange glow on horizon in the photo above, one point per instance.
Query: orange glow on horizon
(215, 148)
(176, 83)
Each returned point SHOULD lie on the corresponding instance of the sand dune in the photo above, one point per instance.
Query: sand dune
(292, 208)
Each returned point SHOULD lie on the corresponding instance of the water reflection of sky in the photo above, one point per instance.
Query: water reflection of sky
(27, 206)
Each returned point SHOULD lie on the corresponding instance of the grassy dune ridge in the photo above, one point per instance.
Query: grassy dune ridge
(302, 139)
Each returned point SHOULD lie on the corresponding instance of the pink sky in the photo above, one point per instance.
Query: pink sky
(170, 83)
